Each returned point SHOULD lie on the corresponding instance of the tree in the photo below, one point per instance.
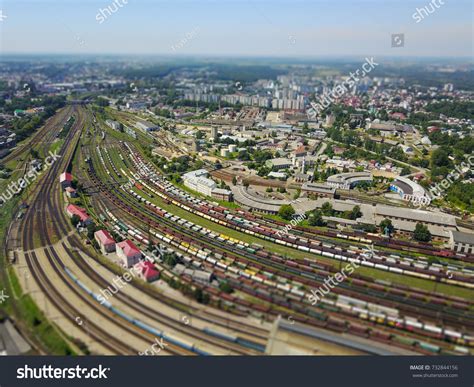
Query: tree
(405, 171)
(386, 226)
(170, 259)
(234, 180)
(91, 229)
(286, 212)
(316, 219)
(369, 228)
(421, 233)
(199, 134)
(75, 220)
(225, 287)
(355, 213)
(326, 208)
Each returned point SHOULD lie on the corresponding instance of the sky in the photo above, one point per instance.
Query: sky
(278, 28)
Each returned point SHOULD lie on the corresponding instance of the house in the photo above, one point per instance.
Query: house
(72, 210)
(105, 241)
(461, 242)
(128, 253)
(301, 151)
(222, 194)
(71, 192)
(65, 179)
(7, 139)
(147, 271)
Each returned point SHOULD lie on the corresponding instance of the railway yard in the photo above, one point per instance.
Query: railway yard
(405, 297)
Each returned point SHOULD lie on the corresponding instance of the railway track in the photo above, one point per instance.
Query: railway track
(128, 209)
(141, 308)
(43, 201)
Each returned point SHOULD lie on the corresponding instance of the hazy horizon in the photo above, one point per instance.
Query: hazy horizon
(236, 28)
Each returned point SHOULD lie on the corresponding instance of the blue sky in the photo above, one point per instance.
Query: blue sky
(283, 28)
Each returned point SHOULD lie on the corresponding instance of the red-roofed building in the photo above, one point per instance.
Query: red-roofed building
(301, 151)
(398, 116)
(128, 253)
(432, 129)
(105, 241)
(72, 209)
(148, 271)
(65, 179)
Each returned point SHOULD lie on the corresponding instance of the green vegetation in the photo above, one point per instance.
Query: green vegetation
(421, 233)
(386, 226)
(21, 306)
(458, 109)
(286, 212)
(316, 219)
(26, 125)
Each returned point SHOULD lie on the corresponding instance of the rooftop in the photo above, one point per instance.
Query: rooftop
(129, 248)
(463, 237)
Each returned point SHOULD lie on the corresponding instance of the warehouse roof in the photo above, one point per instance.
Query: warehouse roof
(463, 237)
(317, 187)
(415, 215)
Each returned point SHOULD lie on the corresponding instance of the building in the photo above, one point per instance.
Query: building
(279, 163)
(214, 133)
(201, 276)
(113, 124)
(105, 241)
(408, 189)
(222, 194)
(71, 192)
(277, 175)
(72, 210)
(300, 151)
(195, 146)
(461, 242)
(7, 139)
(199, 182)
(318, 190)
(147, 271)
(146, 127)
(348, 180)
(65, 179)
(128, 253)
(257, 203)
